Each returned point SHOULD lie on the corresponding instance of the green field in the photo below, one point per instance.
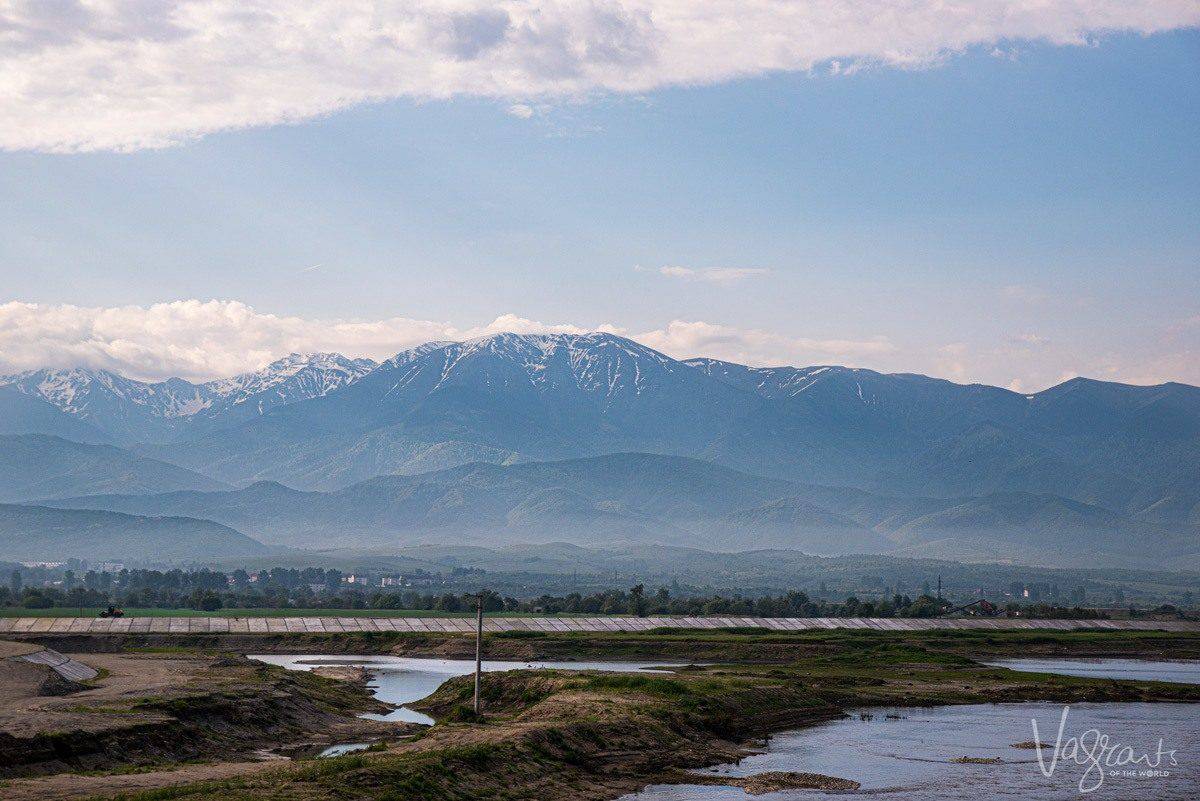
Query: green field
(90, 611)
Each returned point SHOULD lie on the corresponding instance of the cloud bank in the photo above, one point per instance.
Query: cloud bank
(757, 347)
(200, 340)
(80, 75)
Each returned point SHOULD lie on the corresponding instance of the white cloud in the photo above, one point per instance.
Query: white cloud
(682, 339)
(951, 361)
(188, 338)
(713, 275)
(521, 110)
(514, 324)
(129, 74)
(207, 339)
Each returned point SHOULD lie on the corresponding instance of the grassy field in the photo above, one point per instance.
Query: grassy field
(89, 611)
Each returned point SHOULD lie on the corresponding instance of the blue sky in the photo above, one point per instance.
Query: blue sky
(1014, 214)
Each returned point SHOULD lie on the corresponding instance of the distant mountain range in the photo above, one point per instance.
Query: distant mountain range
(494, 440)
(641, 498)
(39, 534)
(41, 466)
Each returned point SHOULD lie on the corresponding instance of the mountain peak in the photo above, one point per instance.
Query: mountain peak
(599, 363)
(295, 376)
(298, 360)
(556, 337)
(547, 343)
(140, 410)
(78, 390)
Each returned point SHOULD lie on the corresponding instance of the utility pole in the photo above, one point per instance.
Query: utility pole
(939, 588)
(478, 647)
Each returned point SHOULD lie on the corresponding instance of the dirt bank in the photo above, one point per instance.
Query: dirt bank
(147, 709)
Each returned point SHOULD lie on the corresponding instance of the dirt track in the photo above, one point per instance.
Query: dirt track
(130, 676)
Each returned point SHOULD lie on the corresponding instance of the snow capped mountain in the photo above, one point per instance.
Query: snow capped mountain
(294, 377)
(542, 391)
(121, 406)
(320, 421)
(83, 392)
(138, 410)
(499, 399)
(598, 365)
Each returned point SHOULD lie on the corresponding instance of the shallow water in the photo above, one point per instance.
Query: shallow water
(342, 749)
(1183, 672)
(402, 680)
(908, 757)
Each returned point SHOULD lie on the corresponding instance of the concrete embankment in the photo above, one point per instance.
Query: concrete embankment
(18, 626)
(66, 667)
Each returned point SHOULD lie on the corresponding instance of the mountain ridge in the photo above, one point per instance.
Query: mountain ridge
(131, 410)
(42, 466)
(42, 533)
(648, 499)
(514, 399)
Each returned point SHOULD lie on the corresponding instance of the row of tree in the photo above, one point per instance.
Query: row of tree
(313, 588)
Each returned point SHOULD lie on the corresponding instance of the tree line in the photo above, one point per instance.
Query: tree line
(317, 588)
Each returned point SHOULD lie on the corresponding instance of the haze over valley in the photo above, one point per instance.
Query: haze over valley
(599, 441)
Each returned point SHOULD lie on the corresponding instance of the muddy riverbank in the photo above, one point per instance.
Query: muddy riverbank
(147, 710)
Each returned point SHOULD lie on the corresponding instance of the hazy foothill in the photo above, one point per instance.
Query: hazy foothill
(598, 441)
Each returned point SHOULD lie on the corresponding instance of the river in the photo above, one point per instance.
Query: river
(908, 754)
(402, 680)
(1183, 672)
(902, 754)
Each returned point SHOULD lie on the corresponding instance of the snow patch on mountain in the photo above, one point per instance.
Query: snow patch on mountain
(296, 376)
(99, 394)
(599, 363)
(786, 382)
